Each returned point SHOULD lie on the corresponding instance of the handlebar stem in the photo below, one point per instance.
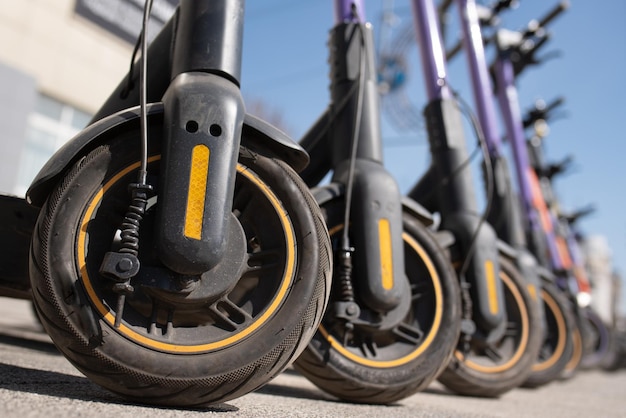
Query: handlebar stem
(345, 11)
(481, 84)
(431, 49)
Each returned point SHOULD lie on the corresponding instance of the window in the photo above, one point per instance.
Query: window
(50, 126)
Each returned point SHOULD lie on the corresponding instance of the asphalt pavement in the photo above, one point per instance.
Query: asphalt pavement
(36, 381)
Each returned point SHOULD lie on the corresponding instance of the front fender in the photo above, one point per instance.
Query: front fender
(257, 135)
(326, 193)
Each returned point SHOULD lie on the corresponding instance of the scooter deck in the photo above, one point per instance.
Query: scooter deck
(17, 221)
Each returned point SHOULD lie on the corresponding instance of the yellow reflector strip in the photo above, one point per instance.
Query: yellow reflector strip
(418, 350)
(197, 191)
(491, 287)
(386, 261)
(533, 291)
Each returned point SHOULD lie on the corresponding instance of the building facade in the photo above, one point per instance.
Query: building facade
(59, 60)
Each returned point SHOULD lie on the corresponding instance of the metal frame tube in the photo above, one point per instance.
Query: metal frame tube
(431, 48)
(511, 112)
(481, 84)
(209, 25)
(343, 11)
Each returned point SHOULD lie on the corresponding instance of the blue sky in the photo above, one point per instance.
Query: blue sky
(285, 67)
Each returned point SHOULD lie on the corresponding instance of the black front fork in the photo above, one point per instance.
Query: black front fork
(376, 209)
(203, 113)
(447, 188)
(506, 218)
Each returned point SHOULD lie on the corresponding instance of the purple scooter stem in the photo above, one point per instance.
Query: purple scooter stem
(344, 11)
(475, 52)
(432, 53)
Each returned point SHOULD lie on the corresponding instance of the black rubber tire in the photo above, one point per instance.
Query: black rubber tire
(573, 364)
(616, 358)
(560, 349)
(475, 373)
(597, 341)
(398, 369)
(191, 358)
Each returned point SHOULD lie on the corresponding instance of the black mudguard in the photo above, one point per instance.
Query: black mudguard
(257, 135)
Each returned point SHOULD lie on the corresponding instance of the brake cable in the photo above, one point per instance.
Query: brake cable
(122, 265)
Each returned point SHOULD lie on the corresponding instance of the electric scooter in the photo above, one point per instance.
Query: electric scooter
(177, 258)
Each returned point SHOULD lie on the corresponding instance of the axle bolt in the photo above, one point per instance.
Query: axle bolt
(124, 265)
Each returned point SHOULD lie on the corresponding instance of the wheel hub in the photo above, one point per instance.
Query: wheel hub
(200, 290)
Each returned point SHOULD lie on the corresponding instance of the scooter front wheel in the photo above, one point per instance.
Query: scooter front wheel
(596, 340)
(491, 368)
(173, 341)
(561, 350)
(369, 361)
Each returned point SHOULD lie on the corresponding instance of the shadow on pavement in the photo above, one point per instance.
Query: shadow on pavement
(29, 343)
(51, 383)
(80, 388)
(277, 389)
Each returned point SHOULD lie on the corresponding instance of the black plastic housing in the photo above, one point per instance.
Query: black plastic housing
(449, 187)
(201, 110)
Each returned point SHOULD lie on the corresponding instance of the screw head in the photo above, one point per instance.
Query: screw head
(351, 309)
(125, 264)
